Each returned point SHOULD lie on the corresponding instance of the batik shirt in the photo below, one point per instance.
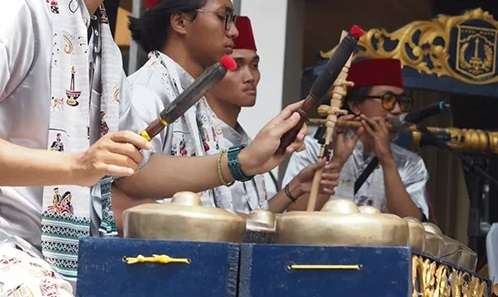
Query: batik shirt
(27, 54)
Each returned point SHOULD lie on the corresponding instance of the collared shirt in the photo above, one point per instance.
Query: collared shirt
(410, 166)
(25, 55)
(197, 133)
(25, 58)
(249, 195)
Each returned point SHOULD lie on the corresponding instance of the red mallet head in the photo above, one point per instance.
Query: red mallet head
(228, 62)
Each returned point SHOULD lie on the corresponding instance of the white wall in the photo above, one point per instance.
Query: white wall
(268, 19)
(278, 30)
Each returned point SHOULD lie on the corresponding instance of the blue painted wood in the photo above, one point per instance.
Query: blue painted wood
(416, 80)
(102, 273)
(264, 271)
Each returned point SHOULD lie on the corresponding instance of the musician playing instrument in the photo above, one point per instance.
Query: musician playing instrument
(47, 51)
(396, 186)
(220, 129)
(210, 127)
(182, 39)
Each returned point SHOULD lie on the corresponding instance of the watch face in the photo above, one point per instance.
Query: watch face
(234, 165)
(236, 148)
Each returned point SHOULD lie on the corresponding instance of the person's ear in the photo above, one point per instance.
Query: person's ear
(179, 23)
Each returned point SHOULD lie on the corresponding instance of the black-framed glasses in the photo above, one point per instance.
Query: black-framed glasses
(228, 18)
(389, 100)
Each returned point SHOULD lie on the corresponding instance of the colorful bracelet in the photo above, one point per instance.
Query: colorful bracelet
(219, 171)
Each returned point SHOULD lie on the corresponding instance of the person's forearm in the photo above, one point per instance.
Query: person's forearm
(303, 195)
(398, 199)
(279, 203)
(302, 202)
(164, 175)
(21, 166)
(121, 202)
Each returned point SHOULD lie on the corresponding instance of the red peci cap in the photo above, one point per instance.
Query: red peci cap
(245, 40)
(151, 3)
(376, 72)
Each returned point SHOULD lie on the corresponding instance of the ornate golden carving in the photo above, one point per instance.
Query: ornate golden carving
(425, 46)
(428, 278)
(434, 279)
(442, 286)
(466, 140)
(416, 262)
(456, 278)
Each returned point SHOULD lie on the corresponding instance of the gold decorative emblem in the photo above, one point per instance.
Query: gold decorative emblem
(476, 51)
(461, 47)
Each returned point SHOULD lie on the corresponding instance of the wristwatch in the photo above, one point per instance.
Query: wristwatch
(234, 164)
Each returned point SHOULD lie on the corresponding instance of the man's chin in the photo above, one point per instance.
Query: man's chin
(248, 103)
(228, 51)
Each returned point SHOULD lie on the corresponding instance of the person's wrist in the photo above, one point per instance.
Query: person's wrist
(387, 160)
(290, 193)
(338, 160)
(73, 169)
(294, 188)
(247, 163)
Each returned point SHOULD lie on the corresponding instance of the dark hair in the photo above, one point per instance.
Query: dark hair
(151, 30)
(357, 95)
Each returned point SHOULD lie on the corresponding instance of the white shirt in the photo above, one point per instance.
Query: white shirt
(25, 57)
(25, 54)
(410, 166)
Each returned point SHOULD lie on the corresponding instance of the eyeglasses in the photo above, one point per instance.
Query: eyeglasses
(228, 18)
(389, 100)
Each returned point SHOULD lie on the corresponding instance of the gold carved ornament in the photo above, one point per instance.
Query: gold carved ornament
(434, 279)
(421, 41)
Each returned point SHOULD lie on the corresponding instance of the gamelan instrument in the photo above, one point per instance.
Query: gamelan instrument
(323, 82)
(332, 112)
(343, 249)
(465, 140)
(183, 219)
(189, 96)
(340, 223)
(302, 237)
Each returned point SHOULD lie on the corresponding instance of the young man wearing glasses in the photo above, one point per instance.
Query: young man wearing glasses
(197, 38)
(396, 186)
(182, 39)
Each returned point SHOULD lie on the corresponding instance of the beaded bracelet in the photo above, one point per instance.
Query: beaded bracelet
(219, 171)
